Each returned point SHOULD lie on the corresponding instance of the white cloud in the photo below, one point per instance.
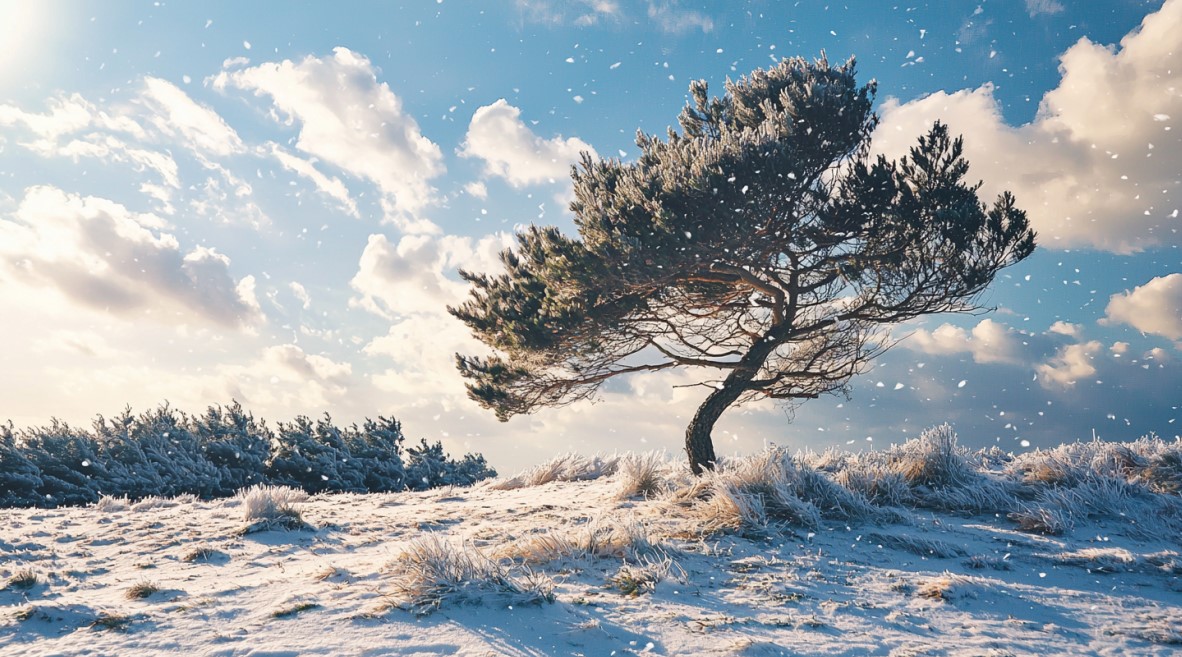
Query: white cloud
(301, 294)
(1155, 307)
(330, 186)
(350, 120)
(1098, 165)
(175, 114)
(412, 275)
(989, 342)
(1065, 328)
(1072, 363)
(98, 253)
(670, 17)
(512, 151)
(1037, 7)
(476, 189)
(582, 13)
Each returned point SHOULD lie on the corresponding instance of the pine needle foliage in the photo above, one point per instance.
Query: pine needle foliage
(761, 244)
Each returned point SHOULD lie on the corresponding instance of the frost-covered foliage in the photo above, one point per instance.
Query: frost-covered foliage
(166, 453)
(772, 486)
(427, 466)
(564, 467)
(433, 572)
(1134, 485)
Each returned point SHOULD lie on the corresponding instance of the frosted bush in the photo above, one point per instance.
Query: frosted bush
(941, 475)
(642, 475)
(271, 507)
(432, 572)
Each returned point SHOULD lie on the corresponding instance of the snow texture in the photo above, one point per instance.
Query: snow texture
(774, 554)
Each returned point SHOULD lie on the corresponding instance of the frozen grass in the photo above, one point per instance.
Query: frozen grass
(201, 553)
(111, 504)
(922, 546)
(140, 590)
(634, 579)
(293, 609)
(746, 495)
(604, 538)
(23, 580)
(565, 467)
(1098, 560)
(266, 508)
(1044, 491)
(949, 587)
(433, 572)
(154, 502)
(643, 475)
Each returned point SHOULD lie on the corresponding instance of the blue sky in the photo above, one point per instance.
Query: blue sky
(268, 201)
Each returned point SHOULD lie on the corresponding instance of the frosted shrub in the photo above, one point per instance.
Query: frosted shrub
(271, 507)
(746, 494)
(642, 474)
(433, 572)
(940, 475)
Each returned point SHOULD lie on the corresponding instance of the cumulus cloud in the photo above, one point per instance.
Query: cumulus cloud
(1071, 364)
(1065, 328)
(99, 253)
(988, 342)
(350, 120)
(510, 150)
(1098, 165)
(412, 275)
(1155, 307)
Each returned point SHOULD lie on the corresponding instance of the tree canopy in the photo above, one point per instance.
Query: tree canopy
(762, 242)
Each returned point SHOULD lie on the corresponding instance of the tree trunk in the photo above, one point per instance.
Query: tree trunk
(698, 444)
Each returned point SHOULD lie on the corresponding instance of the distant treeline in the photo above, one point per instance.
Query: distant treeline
(165, 453)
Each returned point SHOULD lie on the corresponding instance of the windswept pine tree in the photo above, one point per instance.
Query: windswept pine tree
(762, 244)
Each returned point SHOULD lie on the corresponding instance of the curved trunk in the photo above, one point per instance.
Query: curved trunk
(698, 444)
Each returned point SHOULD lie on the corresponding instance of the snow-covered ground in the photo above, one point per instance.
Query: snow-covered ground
(634, 558)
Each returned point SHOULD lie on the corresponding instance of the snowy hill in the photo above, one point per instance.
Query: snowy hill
(924, 549)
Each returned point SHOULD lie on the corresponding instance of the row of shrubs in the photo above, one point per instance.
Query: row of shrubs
(165, 452)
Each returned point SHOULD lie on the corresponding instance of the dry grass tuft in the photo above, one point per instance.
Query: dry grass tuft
(947, 587)
(141, 590)
(22, 581)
